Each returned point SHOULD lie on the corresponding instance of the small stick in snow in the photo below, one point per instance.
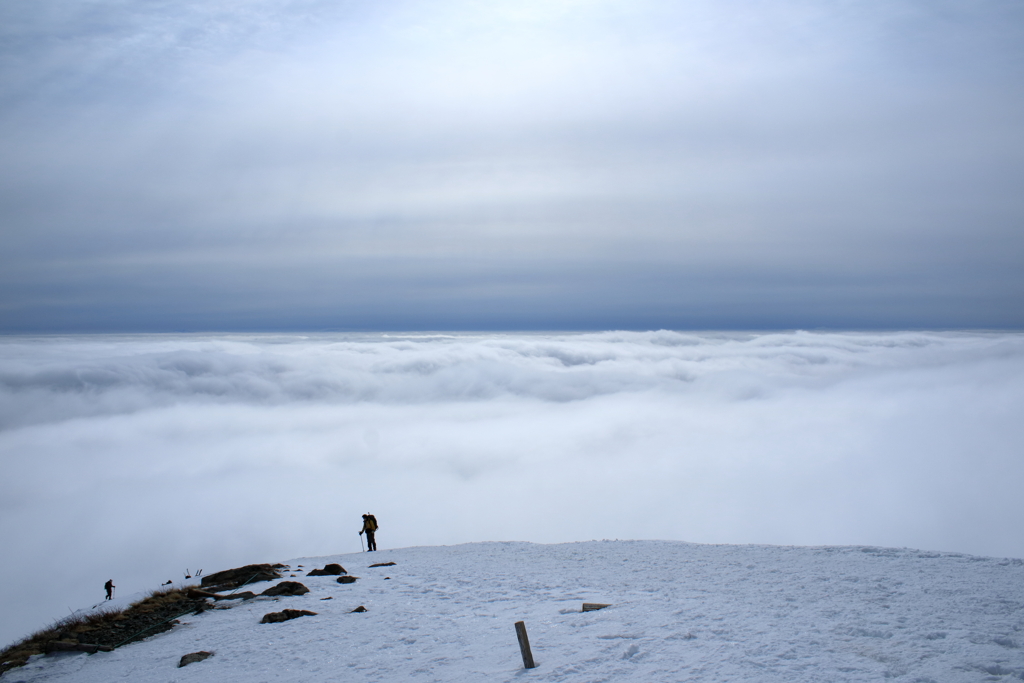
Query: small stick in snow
(593, 606)
(524, 645)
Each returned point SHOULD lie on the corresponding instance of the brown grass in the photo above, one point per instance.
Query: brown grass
(61, 629)
(85, 628)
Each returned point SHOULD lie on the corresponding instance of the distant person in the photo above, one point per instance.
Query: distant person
(370, 527)
(109, 585)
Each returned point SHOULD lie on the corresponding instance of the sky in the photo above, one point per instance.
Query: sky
(285, 165)
(138, 457)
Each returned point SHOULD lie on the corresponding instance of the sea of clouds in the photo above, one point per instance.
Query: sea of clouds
(138, 457)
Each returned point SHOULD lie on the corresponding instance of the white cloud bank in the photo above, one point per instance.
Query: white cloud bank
(153, 454)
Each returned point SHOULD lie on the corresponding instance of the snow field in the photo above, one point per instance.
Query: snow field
(680, 612)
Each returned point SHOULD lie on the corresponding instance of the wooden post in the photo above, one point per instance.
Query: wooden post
(524, 645)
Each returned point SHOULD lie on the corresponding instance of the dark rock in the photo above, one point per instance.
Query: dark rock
(329, 570)
(347, 579)
(358, 609)
(329, 597)
(382, 564)
(245, 595)
(197, 594)
(194, 657)
(285, 615)
(235, 578)
(74, 646)
(286, 588)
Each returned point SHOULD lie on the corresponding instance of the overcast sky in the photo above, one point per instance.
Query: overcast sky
(449, 164)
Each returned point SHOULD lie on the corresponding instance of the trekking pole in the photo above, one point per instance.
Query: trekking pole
(361, 548)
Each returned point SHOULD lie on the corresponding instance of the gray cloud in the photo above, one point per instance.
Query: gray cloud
(295, 165)
(137, 454)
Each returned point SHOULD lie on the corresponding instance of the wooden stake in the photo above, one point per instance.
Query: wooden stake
(524, 645)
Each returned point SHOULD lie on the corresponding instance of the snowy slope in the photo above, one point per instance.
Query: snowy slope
(680, 612)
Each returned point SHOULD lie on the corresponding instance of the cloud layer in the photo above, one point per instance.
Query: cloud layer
(129, 456)
(296, 164)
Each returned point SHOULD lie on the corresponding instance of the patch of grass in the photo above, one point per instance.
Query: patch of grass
(66, 629)
(106, 626)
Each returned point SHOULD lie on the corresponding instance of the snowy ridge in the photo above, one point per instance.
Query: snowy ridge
(680, 611)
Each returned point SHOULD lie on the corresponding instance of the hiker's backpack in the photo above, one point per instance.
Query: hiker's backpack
(373, 522)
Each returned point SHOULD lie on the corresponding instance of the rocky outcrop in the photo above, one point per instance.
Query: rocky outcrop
(286, 588)
(103, 630)
(235, 578)
(194, 657)
(285, 615)
(329, 570)
(382, 564)
(347, 579)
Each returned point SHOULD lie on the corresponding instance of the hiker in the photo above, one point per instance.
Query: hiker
(109, 585)
(370, 527)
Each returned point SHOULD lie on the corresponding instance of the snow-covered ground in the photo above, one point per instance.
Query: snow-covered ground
(679, 612)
